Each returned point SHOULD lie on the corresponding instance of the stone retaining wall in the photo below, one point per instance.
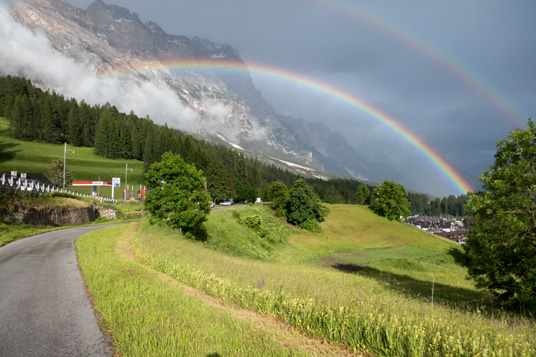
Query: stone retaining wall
(63, 216)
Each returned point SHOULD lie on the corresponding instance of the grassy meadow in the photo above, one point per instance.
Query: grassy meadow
(388, 291)
(36, 157)
(150, 314)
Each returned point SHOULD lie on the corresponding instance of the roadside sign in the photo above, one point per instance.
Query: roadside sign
(116, 181)
(91, 183)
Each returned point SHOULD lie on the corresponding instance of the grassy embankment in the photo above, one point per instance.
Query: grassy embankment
(365, 283)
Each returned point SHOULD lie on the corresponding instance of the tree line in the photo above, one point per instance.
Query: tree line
(37, 115)
(345, 191)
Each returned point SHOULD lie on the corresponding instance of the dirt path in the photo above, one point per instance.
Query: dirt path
(288, 335)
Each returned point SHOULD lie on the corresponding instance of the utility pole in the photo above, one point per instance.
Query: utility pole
(64, 161)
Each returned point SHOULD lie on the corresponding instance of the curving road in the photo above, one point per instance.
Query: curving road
(44, 307)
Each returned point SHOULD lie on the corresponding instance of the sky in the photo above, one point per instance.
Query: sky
(459, 75)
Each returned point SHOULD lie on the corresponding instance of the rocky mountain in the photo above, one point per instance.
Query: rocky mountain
(209, 78)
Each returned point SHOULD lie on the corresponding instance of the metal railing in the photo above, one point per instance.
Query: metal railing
(17, 184)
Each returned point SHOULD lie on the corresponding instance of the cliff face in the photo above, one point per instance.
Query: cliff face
(207, 77)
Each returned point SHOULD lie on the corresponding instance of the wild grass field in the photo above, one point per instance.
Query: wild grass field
(388, 291)
(151, 314)
(36, 157)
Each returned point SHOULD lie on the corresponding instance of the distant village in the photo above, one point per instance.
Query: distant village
(453, 230)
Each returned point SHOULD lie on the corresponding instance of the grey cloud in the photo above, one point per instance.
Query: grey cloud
(492, 42)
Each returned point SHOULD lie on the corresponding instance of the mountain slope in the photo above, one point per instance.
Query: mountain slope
(210, 80)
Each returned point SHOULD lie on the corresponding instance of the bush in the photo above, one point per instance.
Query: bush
(254, 222)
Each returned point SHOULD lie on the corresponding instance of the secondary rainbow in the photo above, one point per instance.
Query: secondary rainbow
(443, 166)
(465, 74)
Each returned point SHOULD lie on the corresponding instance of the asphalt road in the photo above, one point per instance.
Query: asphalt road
(44, 307)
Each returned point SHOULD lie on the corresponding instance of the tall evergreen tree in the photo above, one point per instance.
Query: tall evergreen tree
(74, 127)
(218, 182)
(88, 119)
(103, 135)
(51, 122)
(135, 146)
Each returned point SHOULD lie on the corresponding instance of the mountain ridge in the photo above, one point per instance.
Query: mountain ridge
(110, 39)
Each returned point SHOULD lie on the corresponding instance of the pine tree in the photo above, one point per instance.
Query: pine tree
(135, 147)
(150, 154)
(88, 121)
(51, 122)
(74, 127)
(56, 174)
(16, 120)
(102, 135)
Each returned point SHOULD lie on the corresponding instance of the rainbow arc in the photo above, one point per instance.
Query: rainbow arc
(446, 169)
(464, 73)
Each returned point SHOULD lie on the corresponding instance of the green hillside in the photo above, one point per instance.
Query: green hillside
(354, 239)
(366, 283)
(36, 157)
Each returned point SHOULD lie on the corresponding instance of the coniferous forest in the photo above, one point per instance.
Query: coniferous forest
(37, 115)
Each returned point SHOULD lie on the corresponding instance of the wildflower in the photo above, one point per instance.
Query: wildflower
(261, 284)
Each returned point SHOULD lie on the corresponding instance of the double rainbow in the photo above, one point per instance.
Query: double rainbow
(469, 76)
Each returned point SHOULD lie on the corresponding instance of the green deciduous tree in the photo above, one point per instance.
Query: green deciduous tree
(391, 201)
(304, 208)
(362, 195)
(501, 243)
(277, 193)
(177, 193)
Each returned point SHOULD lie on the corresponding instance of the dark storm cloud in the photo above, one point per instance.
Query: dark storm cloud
(491, 42)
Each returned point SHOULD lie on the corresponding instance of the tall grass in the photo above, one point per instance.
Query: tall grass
(148, 314)
(362, 312)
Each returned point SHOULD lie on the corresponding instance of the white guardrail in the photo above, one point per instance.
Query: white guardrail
(34, 186)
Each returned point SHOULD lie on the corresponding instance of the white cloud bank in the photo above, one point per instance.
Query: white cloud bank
(30, 54)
